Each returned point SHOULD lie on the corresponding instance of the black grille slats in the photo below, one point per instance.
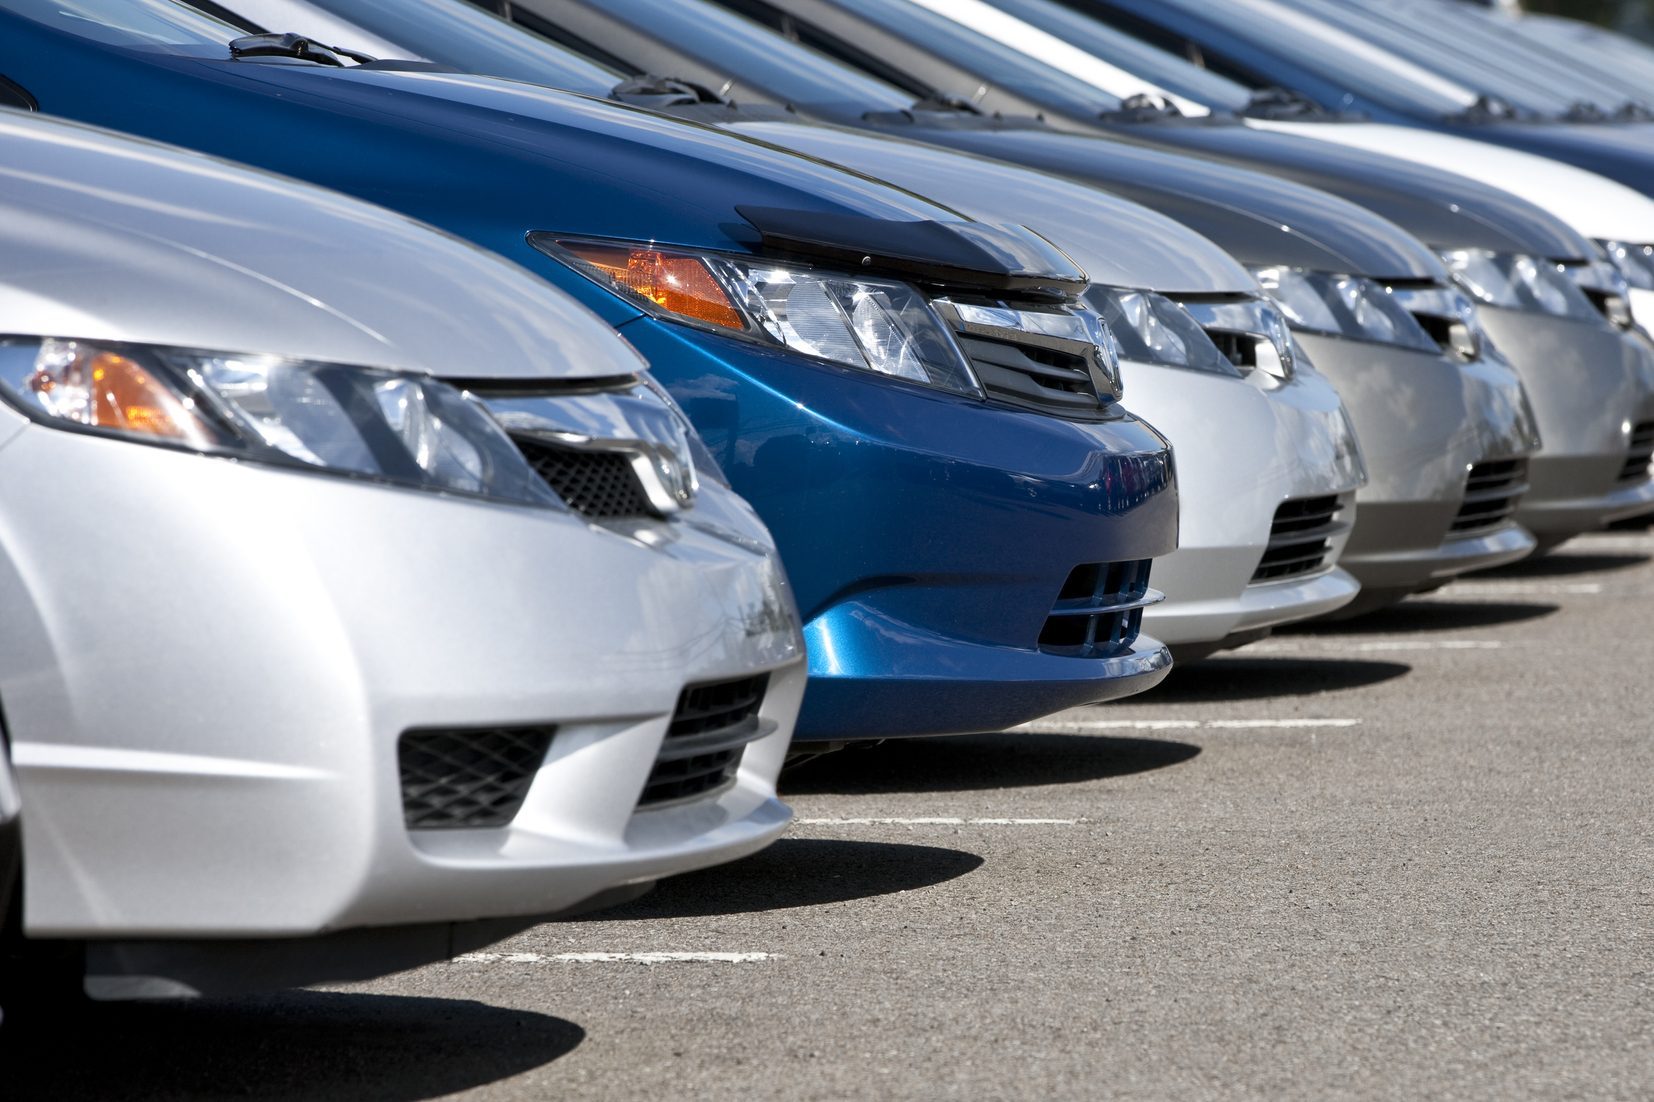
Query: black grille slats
(1032, 376)
(1492, 492)
(1639, 454)
(1099, 611)
(468, 778)
(1300, 539)
(597, 484)
(710, 730)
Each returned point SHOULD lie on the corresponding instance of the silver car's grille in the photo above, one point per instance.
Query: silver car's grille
(710, 731)
(1099, 611)
(1491, 494)
(597, 484)
(1300, 538)
(468, 778)
(1639, 454)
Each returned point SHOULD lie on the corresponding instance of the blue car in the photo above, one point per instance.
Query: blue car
(915, 403)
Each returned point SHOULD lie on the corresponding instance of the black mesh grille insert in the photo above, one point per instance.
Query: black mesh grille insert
(593, 483)
(1300, 539)
(1639, 454)
(1087, 620)
(468, 778)
(710, 730)
(1025, 375)
(1491, 494)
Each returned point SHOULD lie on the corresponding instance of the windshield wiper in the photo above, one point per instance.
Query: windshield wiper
(941, 103)
(1283, 103)
(1633, 111)
(1142, 107)
(295, 46)
(660, 93)
(1486, 109)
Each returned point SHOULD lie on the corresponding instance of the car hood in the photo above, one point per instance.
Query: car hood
(1593, 205)
(1257, 219)
(1119, 243)
(113, 238)
(1443, 209)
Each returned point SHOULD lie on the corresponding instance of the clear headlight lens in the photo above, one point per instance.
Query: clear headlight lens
(1343, 306)
(1604, 287)
(388, 426)
(1518, 282)
(878, 325)
(1151, 328)
(1635, 262)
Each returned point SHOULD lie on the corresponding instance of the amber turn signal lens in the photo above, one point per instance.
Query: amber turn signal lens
(680, 285)
(106, 390)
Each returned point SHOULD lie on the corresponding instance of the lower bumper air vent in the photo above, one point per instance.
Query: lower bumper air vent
(710, 731)
(1300, 539)
(468, 778)
(1099, 611)
(596, 484)
(1639, 454)
(1491, 494)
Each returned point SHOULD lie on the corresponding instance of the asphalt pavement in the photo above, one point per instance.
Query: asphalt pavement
(1406, 857)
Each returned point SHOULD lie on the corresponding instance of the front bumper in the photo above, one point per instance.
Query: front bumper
(1291, 442)
(208, 666)
(927, 536)
(1423, 421)
(1590, 387)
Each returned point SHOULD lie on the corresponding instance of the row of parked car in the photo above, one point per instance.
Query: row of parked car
(611, 398)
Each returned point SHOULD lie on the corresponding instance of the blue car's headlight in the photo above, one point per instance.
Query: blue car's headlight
(1515, 281)
(1343, 306)
(388, 426)
(871, 324)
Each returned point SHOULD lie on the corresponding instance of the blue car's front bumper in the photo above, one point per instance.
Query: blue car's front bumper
(928, 537)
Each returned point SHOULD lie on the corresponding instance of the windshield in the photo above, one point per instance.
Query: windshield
(747, 52)
(460, 36)
(146, 23)
(1494, 64)
(1088, 32)
(976, 53)
(1334, 55)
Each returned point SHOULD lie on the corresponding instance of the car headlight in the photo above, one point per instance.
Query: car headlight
(1635, 262)
(1151, 328)
(1604, 287)
(877, 325)
(1343, 306)
(388, 426)
(1516, 281)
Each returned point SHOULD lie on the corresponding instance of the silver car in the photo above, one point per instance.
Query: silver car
(359, 588)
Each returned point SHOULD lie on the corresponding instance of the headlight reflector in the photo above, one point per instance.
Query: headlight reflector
(1515, 281)
(1343, 306)
(878, 325)
(389, 426)
(1635, 262)
(1151, 328)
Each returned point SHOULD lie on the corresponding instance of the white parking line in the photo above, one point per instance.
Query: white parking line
(939, 820)
(1376, 646)
(1516, 589)
(1098, 726)
(614, 958)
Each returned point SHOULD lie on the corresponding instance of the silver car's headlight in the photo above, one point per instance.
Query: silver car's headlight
(1635, 262)
(1151, 328)
(1604, 287)
(388, 426)
(1343, 306)
(871, 324)
(1515, 281)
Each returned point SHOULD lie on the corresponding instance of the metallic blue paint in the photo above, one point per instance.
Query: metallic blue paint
(927, 535)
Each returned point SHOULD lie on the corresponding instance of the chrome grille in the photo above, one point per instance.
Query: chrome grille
(597, 484)
(1639, 454)
(1099, 611)
(1300, 539)
(710, 730)
(1491, 494)
(468, 778)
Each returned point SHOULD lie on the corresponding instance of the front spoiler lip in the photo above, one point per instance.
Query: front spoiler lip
(1575, 515)
(1411, 569)
(1264, 605)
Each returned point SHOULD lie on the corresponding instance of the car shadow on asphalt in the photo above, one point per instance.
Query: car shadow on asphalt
(308, 1045)
(1428, 614)
(1228, 679)
(1562, 564)
(797, 872)
(978, 763)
